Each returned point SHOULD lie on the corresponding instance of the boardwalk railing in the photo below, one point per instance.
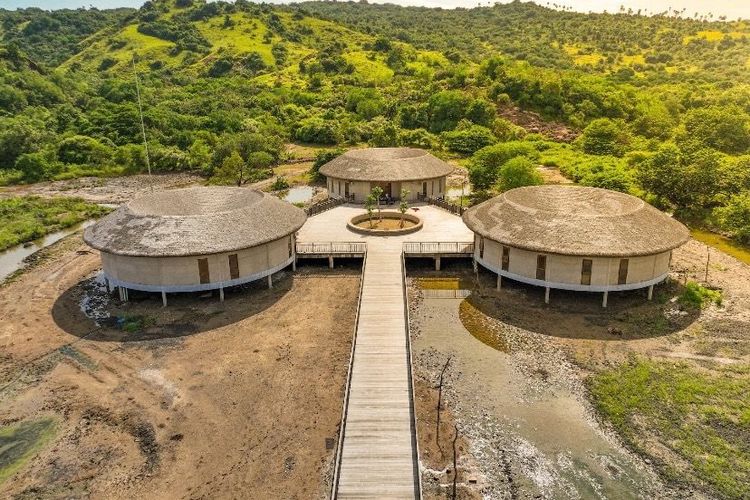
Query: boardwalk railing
(438, 247)
(440, 202)
(327, 205)
(332, 247)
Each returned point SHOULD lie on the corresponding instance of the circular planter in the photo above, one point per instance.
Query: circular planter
(357, 219)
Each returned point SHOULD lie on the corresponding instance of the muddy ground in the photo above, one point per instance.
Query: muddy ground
(200, 399)
(515, 384)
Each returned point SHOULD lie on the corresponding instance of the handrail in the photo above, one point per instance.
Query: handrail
(412, 407)
(342, 427)
(440, 202)
(438, 247)
(331, 247)
(327, 204)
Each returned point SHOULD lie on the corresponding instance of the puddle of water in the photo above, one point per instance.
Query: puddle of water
(298, 194)
(20, 442)
(473, 320)
(12, 260)
(726, 245)
(444, 288)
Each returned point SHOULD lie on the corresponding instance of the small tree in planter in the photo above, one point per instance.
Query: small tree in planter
(370, 206)
(376, 193)
(403, 205)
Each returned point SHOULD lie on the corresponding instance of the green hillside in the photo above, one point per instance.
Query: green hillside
(659, 105)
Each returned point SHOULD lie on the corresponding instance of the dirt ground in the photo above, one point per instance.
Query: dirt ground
(200, 399)
(515, 383)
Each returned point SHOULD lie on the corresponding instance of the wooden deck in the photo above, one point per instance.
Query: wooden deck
(378, 456)
(378, 459)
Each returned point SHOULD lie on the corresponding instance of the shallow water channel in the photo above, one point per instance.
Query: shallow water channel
(719, 242)
(12, 259)
(298, 194)
(524, 411)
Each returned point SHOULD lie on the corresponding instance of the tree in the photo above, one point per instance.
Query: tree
(369, 207)
(233, 170)
(735, 216)
(725, 128)
(376, 193)
(83, 150)
(403, 205)
(468, 139)
(605, 137)
(321, 158)
(518, 172)
(199, 156)
(485, 164)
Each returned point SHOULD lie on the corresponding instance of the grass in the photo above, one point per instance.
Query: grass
(27, 218)
(701, 417)
(19, 443)
(367, 70)
(697, 296)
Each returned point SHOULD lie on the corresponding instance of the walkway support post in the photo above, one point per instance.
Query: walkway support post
(604, 299)
(546, 295)
(330, 262)
(437, 263)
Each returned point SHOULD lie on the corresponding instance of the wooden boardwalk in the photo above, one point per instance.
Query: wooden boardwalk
(378, 458)
(378, 452)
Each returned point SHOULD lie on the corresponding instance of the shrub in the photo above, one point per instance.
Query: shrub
(321, 159)
(280, 184)
(697, 296)
(734, 217)
(485, 163)
(605, 137)
(318, 131)
(517, 172)
(468, 140)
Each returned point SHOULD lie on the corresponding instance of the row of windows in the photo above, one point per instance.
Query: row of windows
(541, 266)
(234, 266)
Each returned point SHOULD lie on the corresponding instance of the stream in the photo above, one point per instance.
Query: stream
(12, 259)
(722, 243)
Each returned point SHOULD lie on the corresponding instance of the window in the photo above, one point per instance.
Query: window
(586, 271)
(203, 271)
(339, 187)
(424, 189)
(346, 189)
(481, 247)
(234, 267)
(291, 246)
(506, 258)
(622, 275)
(541, 267)
(432, 188)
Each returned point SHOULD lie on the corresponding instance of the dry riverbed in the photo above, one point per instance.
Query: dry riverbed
(200, 399)
(517, 384)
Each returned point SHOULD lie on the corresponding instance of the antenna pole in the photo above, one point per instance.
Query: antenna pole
(143, 125)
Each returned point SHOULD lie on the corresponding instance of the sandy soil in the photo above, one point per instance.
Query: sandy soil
(202, 399)
(515, 381)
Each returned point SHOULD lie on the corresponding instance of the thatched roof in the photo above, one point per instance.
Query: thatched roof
(194, 221)
(386, 165)
(574, 220)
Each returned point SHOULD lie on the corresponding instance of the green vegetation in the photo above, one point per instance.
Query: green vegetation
(20, 442)
(27, 218)
(703, 418)
(697, 296)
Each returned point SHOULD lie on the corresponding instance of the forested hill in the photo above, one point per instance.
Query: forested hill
(625, 43)
(659, 105)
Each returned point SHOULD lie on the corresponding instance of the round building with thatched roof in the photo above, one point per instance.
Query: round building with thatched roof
(195, 239)
(355, 173)
(574, 238)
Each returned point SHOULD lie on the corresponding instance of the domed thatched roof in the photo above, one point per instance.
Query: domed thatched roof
(573, 220)
(386, 165)
(194, 221)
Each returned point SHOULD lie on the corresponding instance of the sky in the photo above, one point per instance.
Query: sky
(731, 8)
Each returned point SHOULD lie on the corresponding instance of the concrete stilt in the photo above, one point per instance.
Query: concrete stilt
(474, 263)
(164, 298)
(651, 292)
(499, 281)
(294, 263)
(119, 294)
(437, 263)
(330, 261)
(221, 294)
(270, 281)
(546, 295)
(604, 299)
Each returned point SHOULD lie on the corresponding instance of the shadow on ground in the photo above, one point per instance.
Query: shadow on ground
(143, 318)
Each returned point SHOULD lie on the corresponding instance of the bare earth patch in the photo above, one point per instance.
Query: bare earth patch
(200, 399)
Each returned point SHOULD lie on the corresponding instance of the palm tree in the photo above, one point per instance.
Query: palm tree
(403, 205)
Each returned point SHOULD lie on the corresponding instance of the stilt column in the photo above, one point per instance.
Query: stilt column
(499, 281)
(437, 263)
(605, 296)
(651, 292)
(164, 298)
(221, 294)
(270, 281)
(546, 295)
(330, 261)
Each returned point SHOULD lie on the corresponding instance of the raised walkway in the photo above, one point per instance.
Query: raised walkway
(378, 455)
